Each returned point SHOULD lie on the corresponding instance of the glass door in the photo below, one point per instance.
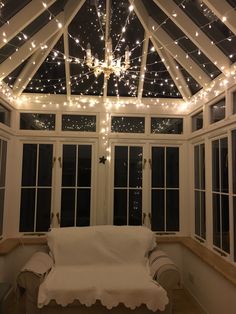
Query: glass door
(127, 185)
(76, 185)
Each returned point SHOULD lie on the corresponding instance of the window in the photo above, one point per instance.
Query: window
(165, 189)
(220, 194)
(234, 187)
(36, 187)
(167, 125)
(128, 182)
(197, 121)
(234, 102)
(5, 115)
(218, 111)
(128, 124)
(3, 156)
(37, 121)
(199, 190)
(81, 123)
(76, 185)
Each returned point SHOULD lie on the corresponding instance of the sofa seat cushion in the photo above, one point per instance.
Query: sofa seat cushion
(131, 285)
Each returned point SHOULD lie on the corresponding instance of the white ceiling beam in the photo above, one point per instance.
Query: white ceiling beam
(107, 34)
(173, 70)
(167, 42)
(195, 34)
(70, 10)
(22, 19)
(67, 63)
(143, 65)
(224, 11)
(34, 64)
(29, 47)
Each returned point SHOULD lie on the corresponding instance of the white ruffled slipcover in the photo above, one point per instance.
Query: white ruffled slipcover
(106, 263)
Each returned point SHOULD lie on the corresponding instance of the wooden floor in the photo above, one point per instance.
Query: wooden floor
(182, 304)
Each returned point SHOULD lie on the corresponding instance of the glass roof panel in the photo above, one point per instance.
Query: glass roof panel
(50, 77)
(9, 8)
(213, 27)
(11, 78)
(157, 81)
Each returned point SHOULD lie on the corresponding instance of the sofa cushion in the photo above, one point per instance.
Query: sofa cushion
(100, 245)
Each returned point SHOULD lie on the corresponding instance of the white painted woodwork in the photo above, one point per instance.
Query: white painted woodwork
(143, 65)
(67, 63)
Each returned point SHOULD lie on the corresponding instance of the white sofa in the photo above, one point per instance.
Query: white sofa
(100, 269)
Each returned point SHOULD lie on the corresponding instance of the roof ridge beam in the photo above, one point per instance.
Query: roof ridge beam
(29, 47)
(22, 19)
(195, 34)
(224, 11)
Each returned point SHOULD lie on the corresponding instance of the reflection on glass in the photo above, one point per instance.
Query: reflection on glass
(158, 210)
(83, 207)
(215, 166)
(218, 111)
(172, 210)
(69, 165)
(128, 124)
(27, 209)
(67, 207)
(120, 207)
(135, 166)
(135, 207)
(197, 121)
(234, 160)
(167, 125)
(43, 209)
(81, 123)
(5, 115)
(29, 164)
(121, 166)
(84, 165)
(37, 121)
(45, 162)
(172, 167)
(158, 167)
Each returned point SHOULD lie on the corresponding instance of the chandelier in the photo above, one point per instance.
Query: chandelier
(111, 64)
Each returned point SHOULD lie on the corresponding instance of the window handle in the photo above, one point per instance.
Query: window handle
(59, 159)
(53, 162)
(150, 163)
(144, 163)
(58, 218)
(51, 219)
(150, 217)
(144, 217)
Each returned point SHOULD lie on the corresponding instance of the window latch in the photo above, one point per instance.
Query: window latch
(58, 218)
(144, 163)
(59, 159)
(144, 217)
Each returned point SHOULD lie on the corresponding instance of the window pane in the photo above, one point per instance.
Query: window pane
(234, 160)
(197, 121)
(84, 165)
(2, 195)
(67, 207)
(37, 121)
(197, 213)
(81, 123)
(224, 165)
(29, 164)
(3, 145)
(172, 210)
(203, 215)
(167, 125)
(43, 209)
(234, 102)
(158, 166)
(5, 115)
(225, 222)
(27, 210)
(158, 211)
(45, 163)
(83, 207)
(202, 166)
(196, 167)
(216, 220)
(172, 167)
(120, 207)
(135, 207)
(234, 224)
(69, 165)
(215, 166)
(218, 111)
(128, 124)
(135, 164)
(121, 166)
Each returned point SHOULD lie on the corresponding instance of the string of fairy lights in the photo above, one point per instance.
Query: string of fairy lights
(130, 78)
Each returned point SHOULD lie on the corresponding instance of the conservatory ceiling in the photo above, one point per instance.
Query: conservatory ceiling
(176, 47)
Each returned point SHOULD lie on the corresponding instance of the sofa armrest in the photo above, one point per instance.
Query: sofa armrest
(163, 270)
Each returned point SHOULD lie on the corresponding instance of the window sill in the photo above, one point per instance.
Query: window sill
(219, 264)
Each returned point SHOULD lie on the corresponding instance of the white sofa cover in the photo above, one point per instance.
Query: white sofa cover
(102, 263)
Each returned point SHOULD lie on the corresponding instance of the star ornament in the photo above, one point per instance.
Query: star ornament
(102, 160)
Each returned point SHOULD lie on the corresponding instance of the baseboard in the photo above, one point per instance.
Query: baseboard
(201, 308)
